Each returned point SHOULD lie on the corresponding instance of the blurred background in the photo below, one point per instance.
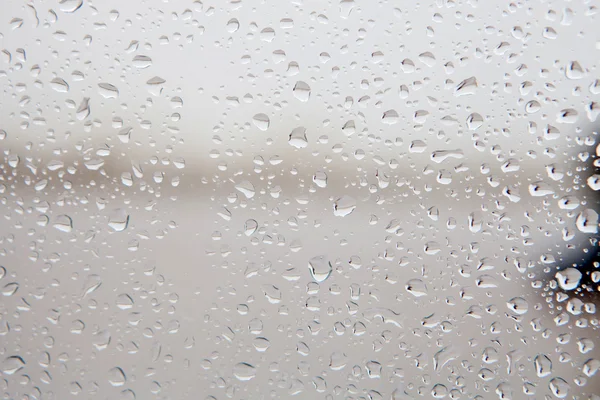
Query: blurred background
(251, 200)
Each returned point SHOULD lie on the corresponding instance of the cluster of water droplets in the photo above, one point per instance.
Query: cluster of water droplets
(262, 200)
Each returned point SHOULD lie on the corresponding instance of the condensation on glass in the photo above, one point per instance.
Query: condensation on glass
(313, 199)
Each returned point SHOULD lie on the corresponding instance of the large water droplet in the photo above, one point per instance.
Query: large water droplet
(390, 117)
(543, 365)
(466, 87)
(63, 223)
(416, 287)
(83, 111)
(272, 293)
(118, 220)
(302, 91)
(568, 278)
(250, 227)
(244, 371)
(344, 206)
(233, 25)
(12, 365)
(141, 61)
(108, 91)
(320, 268)
(298, 138)
(261, 121)
(587, 221)
(518, 305)
(559, 387)
(116, 377)
(246, 188)
(59, 85)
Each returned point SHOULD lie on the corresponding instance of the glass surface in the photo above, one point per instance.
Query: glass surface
(319, 200)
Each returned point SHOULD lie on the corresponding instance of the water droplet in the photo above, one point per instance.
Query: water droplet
(261, 121)
(125, 134)
(233, 25)
(301, 91)
(591, 367)
(12, 365)
(70, 6)
(567, 116)
(298, 138)
(344, 206)
(124, 302)
(83, 111)
(246, 188)
(108, 91)
(118, 220)
(337, 361)
(466, 87)
(141, 61)
(59, 85)
(518, 305)
(349, 128)
(559, 387)
(244, 371)
(443, 357)
(320, 179)
(116, 377)
(587, 221)
(504, 391)
(568, 279)
(439, 391)
(390, 117)
(101, 340)
(574, 70)
(155, 85)
(416, 287)
(63, 223)
(10, 289)
(272, 293)
(543, 365)
(261, 344)
(250, 227)
(320, 268)
(532, 107)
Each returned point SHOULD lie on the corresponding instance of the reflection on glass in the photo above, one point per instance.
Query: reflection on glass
(336, 200)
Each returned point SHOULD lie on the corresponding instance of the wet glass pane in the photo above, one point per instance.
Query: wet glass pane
(303, 199)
